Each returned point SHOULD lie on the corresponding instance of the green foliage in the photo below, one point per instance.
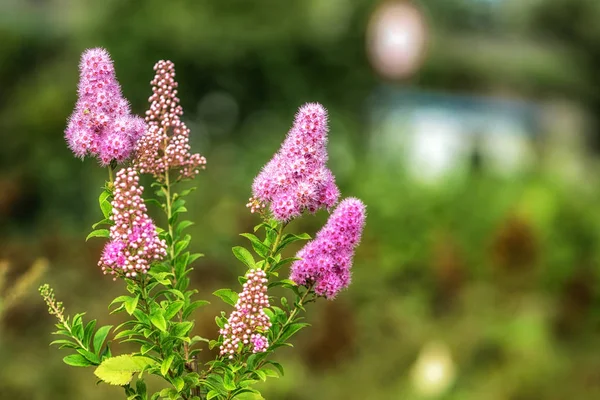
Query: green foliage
(119, 370)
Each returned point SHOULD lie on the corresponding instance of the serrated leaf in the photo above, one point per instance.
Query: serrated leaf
(103, 233)
(227, 295)
(119, 370)
(244, 256)
(77, 360)
(100, 337)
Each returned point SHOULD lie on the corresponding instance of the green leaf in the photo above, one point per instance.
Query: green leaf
(104, 233)
(182, 328)
(244, 256)
(77, 360)
(186, 192)
(158, 320)
(64, 343)
(182, 244)
(196, 304)
(140, 388)
(260, 248)
(249, 396)
(88, 332)
(119, 370)
(178, 383)
(105, 206)
(166, 364)
(227, 295)
(181, 226)
(194, 257)
(105, 221)
(77, 326)
(290, 238)
(172, 309)
(161, 277)
(277, 365)
(146, 348)
(93, 358)
(131, 304)
(291, 329)
(100, 337)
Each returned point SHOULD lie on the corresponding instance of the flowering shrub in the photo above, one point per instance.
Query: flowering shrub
(154, 263)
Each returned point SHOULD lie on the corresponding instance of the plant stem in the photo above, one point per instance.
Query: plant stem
(65, 323)
(169, 211)
(111, 177)
(293, 313)
(275, 244)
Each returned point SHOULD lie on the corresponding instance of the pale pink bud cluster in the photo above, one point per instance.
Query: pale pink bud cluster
(165, 146)
(325, 262)
(134, 242)
(248, 323)
(297, 178)
(101, 124)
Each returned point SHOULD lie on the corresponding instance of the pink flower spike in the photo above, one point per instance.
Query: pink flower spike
(297, 178)
(325, 262)
(247, 324)
(134, 244)
(165, 146)
(101, 124)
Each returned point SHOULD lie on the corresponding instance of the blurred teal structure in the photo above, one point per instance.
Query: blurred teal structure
(479, 282)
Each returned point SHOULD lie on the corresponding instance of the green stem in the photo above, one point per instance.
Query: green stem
(293, 313)
(65, 323)
(275, 245)
(169, 211)
(111, 177)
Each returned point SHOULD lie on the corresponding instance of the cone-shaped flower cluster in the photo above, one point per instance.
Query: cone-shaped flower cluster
(325, 262)
(248, 322)
(101, 124)
(134, 242)
(165, 146)
(297, 178)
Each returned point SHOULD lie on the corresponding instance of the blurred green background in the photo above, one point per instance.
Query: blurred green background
(477, 277)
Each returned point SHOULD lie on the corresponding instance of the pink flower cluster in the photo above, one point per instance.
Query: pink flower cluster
(297, 178)
(325, 262)
(134, 242)
(101, 124)
(166, 144)
(248, 322)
